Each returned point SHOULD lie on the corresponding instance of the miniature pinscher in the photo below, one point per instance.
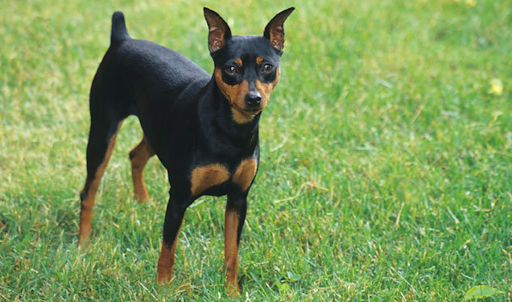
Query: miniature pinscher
(203, 128)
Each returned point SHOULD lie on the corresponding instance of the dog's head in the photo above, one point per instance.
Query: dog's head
(246, 67)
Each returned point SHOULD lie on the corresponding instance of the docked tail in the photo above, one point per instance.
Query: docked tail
(119, 31)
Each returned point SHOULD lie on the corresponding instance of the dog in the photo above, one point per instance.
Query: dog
(202, 127)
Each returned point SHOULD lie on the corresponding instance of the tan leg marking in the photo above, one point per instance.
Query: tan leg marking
(231, 251)
(207, 176)
(90, 188)
(245, 173)
(167, 259)
(139, 157)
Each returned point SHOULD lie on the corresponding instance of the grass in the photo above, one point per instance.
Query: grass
(386, 169)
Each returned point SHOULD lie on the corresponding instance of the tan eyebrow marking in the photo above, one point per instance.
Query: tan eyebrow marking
(259, 60)
(238, 62)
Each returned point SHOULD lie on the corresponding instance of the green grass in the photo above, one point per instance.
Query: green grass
(386, 168)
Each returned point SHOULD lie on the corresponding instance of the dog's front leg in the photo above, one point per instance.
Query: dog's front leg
(172, 225)
(236, 208)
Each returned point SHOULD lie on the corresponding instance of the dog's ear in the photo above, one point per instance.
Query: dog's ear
(274, 31)
(219, 31)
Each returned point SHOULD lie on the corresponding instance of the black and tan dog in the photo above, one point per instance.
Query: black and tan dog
(203, 128)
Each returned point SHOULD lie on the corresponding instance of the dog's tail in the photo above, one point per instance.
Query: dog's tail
(119, 31)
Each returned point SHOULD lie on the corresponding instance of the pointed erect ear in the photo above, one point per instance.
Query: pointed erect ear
(275, 30)
(219, 30)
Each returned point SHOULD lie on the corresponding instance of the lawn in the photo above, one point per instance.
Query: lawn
(386, 166)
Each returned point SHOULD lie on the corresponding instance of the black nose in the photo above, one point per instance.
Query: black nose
(253, 99)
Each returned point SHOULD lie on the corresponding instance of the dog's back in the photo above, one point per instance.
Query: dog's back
(144, 74)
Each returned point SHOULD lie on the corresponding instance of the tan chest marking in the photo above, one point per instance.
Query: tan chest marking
(207, 176)
(245, 173)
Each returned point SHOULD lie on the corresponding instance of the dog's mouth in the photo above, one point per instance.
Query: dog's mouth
(252, 110)
(249, 111)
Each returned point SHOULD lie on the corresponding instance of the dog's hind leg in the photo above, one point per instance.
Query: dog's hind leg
(139, 157)
(102, 137)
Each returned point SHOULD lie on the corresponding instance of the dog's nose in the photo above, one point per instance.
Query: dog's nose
(253, 99)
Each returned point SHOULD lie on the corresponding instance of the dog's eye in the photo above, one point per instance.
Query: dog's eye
(231, 70)
(267, 68)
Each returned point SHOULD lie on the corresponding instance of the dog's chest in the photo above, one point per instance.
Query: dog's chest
(205, 177)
